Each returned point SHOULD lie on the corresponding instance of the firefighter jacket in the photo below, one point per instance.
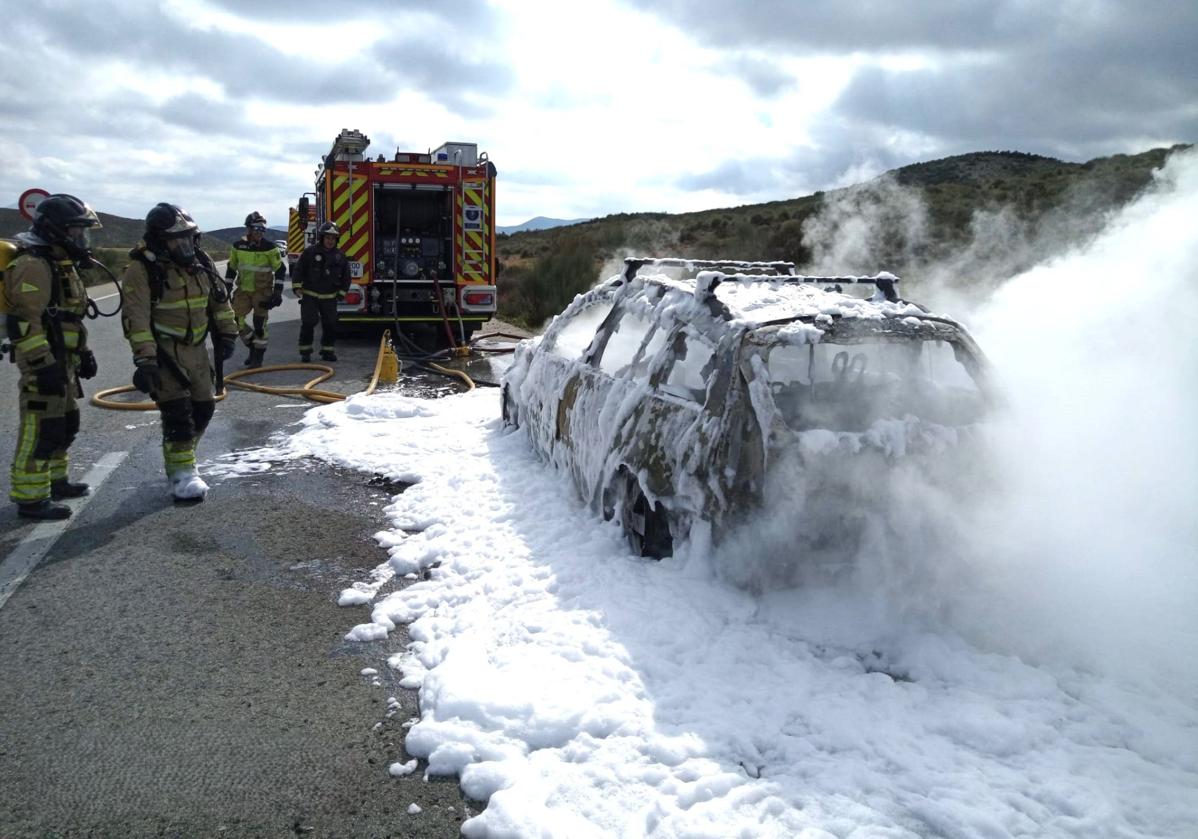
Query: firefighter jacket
(165, 303)
(321, 272)
(47, 302)
(255, 266)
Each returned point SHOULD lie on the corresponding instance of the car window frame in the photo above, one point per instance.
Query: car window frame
(570, 316)
(643, 308)
(680, 332)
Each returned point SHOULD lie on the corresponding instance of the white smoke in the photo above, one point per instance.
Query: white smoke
(1075, 540)
(1091, 545)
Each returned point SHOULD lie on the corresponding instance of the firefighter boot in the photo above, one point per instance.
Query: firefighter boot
(44, 510)
(63, 488)
(305, 357)
(187, 487)
(328, 355)
(255, 357)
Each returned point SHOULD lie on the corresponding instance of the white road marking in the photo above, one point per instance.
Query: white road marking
(20, 563)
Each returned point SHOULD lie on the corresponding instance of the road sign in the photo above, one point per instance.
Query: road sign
(30, 198)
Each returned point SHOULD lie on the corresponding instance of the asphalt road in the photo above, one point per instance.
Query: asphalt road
(182, 671)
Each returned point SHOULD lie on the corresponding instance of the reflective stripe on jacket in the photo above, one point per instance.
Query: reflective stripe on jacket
(180, 314)
(255, 266)
(321, 272)
(29, 281)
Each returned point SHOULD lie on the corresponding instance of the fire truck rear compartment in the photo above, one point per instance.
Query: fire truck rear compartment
(413, 234)
(408, 298)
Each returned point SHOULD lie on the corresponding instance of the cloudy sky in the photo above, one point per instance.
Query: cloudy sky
(586, 109)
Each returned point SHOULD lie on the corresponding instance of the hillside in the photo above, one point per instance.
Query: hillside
(230, 235)
(964, 222)
(118, 234)
(116, 231)
(538, 223)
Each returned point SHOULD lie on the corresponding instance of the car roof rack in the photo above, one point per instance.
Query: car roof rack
(884, 281)
(633, 264)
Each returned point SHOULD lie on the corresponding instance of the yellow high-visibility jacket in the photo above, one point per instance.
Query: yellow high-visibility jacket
(256, 266)
(29, 282)
(178, 311)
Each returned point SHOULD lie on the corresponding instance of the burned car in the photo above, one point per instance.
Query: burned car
(673, 392)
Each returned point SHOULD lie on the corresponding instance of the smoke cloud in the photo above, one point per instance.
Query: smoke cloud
(1090, 547)
(1068, 533)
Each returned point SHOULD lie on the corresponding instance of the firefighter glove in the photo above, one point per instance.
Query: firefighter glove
(147, 379)
(276, 299)
(227, 345)
(298, 291)
(87, 364)
(51, 381)
(341, 292)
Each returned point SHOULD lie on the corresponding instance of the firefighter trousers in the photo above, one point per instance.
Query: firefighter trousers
(244, 301)
(186, 402)
(314, 310)
(48, 426)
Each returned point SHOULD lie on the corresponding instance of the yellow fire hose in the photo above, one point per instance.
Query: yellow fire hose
(451, 372)
(386, 369)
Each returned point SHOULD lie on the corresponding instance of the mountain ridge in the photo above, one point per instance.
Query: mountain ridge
(537, 223)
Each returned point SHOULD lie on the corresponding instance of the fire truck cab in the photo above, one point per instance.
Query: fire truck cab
(418, 229)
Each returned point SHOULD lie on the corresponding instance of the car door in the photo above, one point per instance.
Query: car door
(534, 385)
(602, 399)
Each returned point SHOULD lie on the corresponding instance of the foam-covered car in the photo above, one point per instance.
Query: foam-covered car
(683, 393)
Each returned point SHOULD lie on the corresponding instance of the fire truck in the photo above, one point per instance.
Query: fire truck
(419, 231)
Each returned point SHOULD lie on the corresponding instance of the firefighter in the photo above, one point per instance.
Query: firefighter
(259, 270)
(47, 301)
(319, 279)
(171, 302)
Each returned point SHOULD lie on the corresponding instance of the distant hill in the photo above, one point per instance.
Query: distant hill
(232, 234)
(117, 235)
(965, 222)
(118, 232)
(538, 223)
(115, 232)
(978, 168)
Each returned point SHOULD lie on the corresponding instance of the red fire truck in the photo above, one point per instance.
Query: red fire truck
(418, 228)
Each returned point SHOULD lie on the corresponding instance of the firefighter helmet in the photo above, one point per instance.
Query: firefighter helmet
(171, 228)
(255, 221)
(66, 221)
(329, 229)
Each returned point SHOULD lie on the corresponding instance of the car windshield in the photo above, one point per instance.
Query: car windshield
(849, 386)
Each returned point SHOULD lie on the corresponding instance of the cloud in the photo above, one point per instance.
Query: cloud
(466, 84)
(146, 37)
(829, 26)
(467, 13)
(839, 157)
(729, 105)
(1065, 79)
(199, 113)
(732, 176)
(1077, 107)
(766, 78)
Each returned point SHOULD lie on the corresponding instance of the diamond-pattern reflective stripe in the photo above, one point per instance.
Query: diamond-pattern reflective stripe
(471, 244)
(295, 236)
(351, 216)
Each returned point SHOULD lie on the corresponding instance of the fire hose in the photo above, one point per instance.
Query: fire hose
(386, 358)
